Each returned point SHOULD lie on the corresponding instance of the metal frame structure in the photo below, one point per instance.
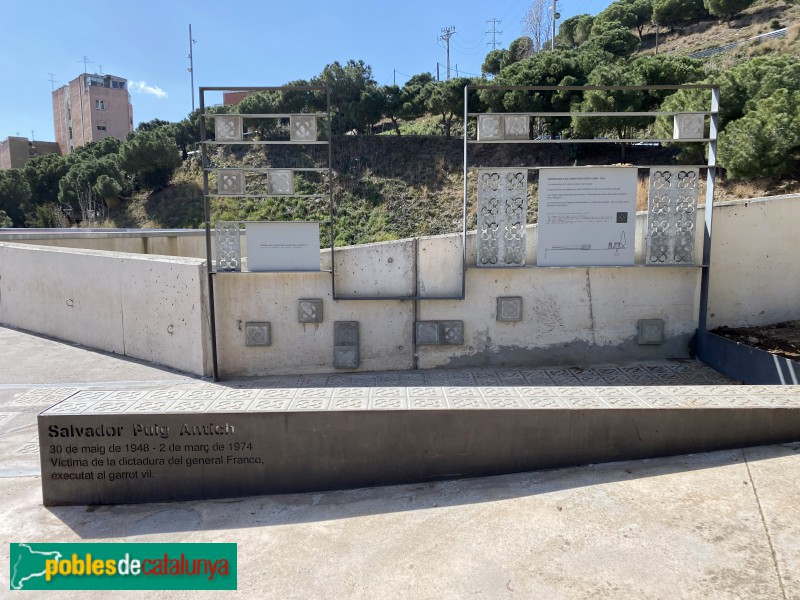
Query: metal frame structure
(204, 143)
(710, 166)
(712, 113)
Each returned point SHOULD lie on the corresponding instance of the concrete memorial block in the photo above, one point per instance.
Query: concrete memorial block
(280, 182)
(650, 331)
(502, 210)
(229, 249)
(587, 216)
(192, 444)
(517, 127)
(427, 332)
(282, 246)
(228, 128)
(671, 216)
(230, 182)
(490, 127)
(688, 126)
(309, 310)
(303, 128)
(258, 333)
(509, 308)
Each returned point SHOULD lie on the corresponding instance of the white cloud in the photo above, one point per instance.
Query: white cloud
(143, 88)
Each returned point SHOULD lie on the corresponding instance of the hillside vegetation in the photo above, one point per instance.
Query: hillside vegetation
(397, 159)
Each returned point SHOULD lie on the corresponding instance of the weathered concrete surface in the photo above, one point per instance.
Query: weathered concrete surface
(152, 308)
(582, 315)
(29, 360)
(686, 527)
(755, 274)
(702, 526)
(385, 328)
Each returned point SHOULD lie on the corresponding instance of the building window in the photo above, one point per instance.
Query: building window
(100, 104)
(70, 133)
(101, 128)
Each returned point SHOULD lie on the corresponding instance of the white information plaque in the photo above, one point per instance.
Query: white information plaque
(587, 216)
(282, 246)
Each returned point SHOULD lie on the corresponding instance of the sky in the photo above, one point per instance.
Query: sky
(237, 43)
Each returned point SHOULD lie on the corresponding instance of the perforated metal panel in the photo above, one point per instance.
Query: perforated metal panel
(229, 249)
(671, 216)
(502, 206)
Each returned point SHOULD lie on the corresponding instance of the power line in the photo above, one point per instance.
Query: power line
(494, 23)
(469, 47)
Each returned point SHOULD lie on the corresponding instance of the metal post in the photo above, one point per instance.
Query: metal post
(464, 205)
(209, 261)
(331, 209)
(709, 209)
(191, 63)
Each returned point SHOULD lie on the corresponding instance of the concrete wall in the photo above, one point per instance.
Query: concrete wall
(576, 315)
(187, 243)
(385, 327)
(152, 308)
(755, 274)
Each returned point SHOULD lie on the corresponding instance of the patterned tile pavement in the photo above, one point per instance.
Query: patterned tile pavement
(666, 384)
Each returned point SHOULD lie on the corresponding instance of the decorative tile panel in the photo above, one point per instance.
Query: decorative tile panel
(350, 403)
(345, 357)
(490, 127)
(257, 333)
(230, 182)
(650, 332)
(688, 126)
(427, 332)
(309, 310)
(111, 406)
(466, 402)
(502, 209)
(345, 333)
(517, 127)
(229, 248)
(228, 128)
(29, 448)
(231, 405)
(509, 308)
(451, 333)
(280, 182)
(671, 217)
(303, 128)
(427, 403)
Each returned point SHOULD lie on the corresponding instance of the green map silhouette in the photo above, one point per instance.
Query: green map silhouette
(27, 564)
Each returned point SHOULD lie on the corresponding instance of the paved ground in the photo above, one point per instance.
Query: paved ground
(718, 525)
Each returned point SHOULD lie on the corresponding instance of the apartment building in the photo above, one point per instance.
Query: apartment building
(15, 151)
(89, 108)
